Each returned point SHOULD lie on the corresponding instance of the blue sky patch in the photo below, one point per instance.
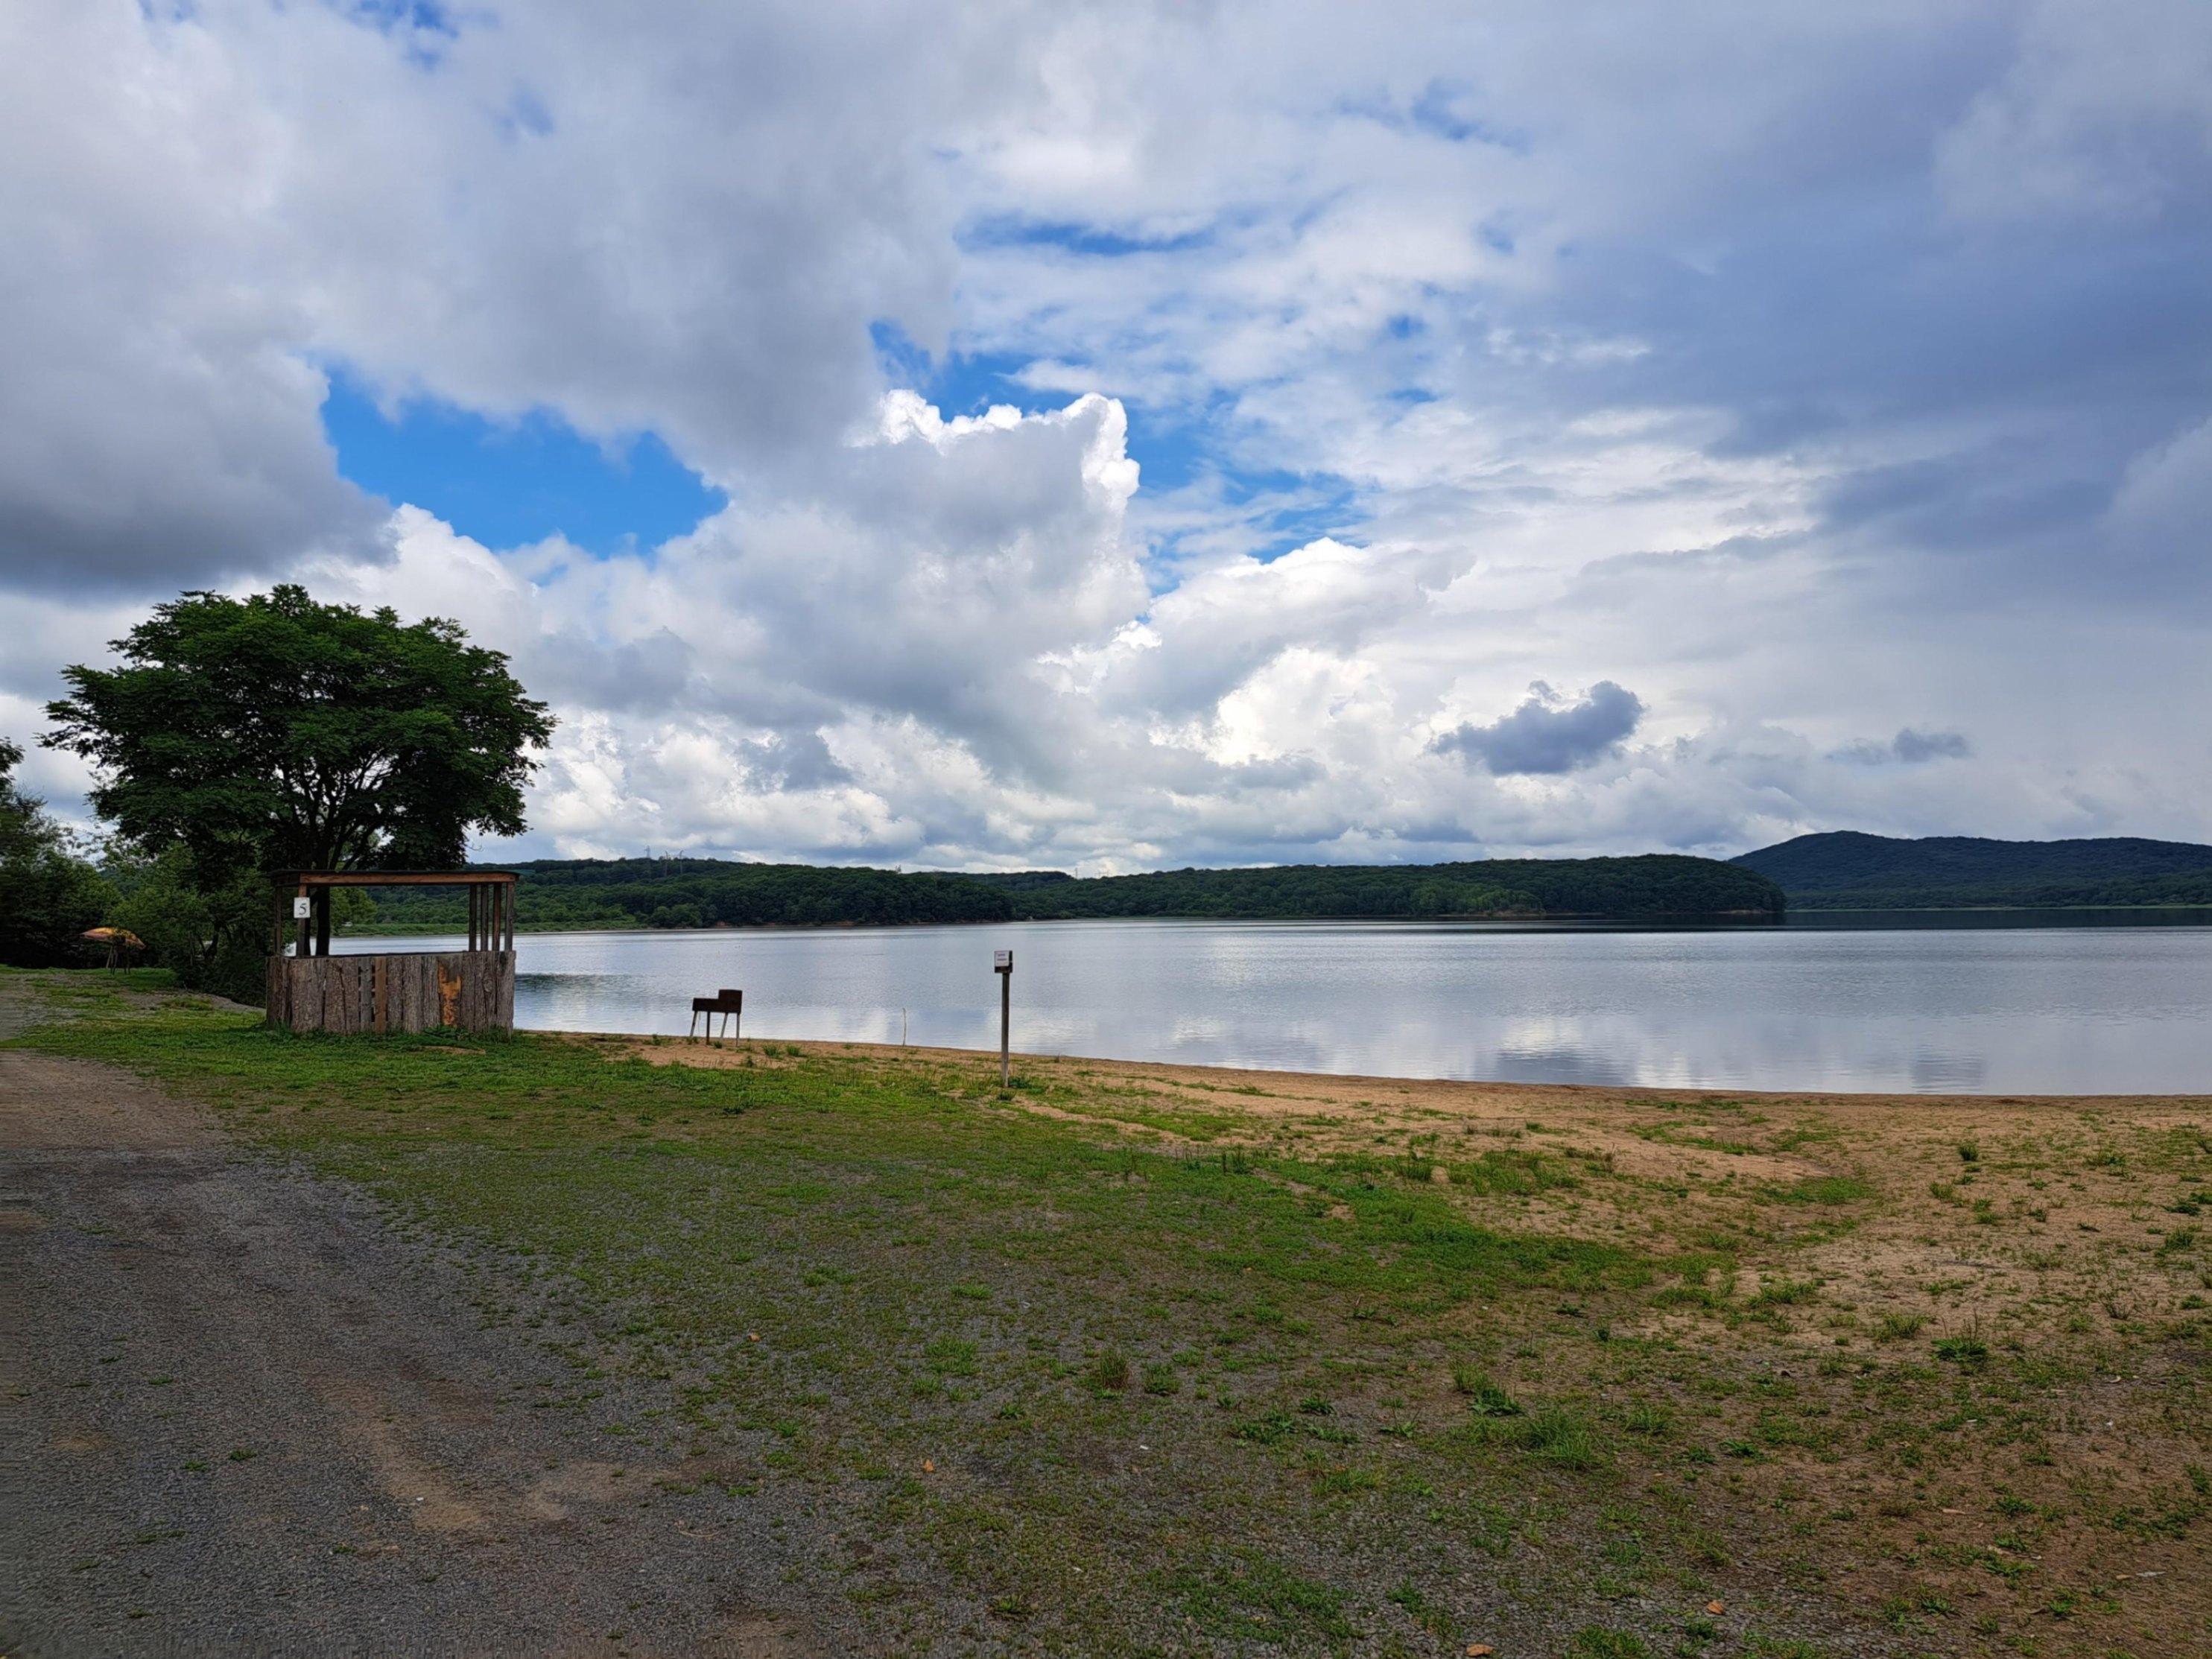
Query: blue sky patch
(1013, 231)
(510, 484)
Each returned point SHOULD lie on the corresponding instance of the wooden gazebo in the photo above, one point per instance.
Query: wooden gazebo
(470, 990)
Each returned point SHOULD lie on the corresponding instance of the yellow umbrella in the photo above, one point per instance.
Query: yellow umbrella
(117, 939)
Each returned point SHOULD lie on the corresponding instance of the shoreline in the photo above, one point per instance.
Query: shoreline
(1338, 1086)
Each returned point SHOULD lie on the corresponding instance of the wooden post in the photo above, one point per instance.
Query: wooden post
(1003, 965)
(323, 898)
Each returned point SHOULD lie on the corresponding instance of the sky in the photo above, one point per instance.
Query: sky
(1113, 437)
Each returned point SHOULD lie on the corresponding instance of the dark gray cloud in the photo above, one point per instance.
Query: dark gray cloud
(645, 675)
(1908, 748)
(1912, 747)
(795, 760)
(1547, 734)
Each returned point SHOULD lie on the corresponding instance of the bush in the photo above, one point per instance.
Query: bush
(210, 941)
(48, 894)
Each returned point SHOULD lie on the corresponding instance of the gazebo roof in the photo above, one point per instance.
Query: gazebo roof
(393, 878)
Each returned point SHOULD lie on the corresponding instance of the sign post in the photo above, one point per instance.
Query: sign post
(1002, 964)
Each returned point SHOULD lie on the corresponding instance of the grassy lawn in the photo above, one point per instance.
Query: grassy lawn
(1130, 1359)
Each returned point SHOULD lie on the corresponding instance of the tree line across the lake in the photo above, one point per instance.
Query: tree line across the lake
(718, 893)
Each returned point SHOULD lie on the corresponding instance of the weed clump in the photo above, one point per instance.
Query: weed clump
(1962, 1349)
(1484, 1397)
(1560, 1435)
(1269, 1429)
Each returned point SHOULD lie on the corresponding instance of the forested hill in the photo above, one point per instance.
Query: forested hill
(1848, 871)
(715, 893)
(1654, 885)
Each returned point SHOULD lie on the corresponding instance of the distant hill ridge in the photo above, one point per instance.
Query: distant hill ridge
(719, 893)
(1846, 870)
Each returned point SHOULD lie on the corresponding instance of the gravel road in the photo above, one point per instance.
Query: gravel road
(245, 1417)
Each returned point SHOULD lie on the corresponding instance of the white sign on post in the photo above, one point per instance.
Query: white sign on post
(301, 907)
(1002, 958)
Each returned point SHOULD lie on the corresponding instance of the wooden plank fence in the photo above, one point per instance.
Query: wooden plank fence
(465, 990)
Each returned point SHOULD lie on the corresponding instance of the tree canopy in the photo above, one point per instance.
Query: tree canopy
(278, 732)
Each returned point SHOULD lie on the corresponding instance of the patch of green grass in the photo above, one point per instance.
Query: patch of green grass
(1824, 1189)
(1599, 1642)
(1762, 1646)
(1645, 1418)
(1556, 1434)
(1251, 1597)
(1509, 1172)
(950, 1357)
(1147, 1112)
(1562, 1436)
(1785, 1293)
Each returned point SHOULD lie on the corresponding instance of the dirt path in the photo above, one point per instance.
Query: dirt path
(243, 1416)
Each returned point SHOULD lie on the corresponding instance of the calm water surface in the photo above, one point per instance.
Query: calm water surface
(1902, 1006)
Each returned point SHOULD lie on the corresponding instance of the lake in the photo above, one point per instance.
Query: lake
(1990, 1004)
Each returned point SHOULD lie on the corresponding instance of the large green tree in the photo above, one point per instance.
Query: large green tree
(278, 732)
(48, 894)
